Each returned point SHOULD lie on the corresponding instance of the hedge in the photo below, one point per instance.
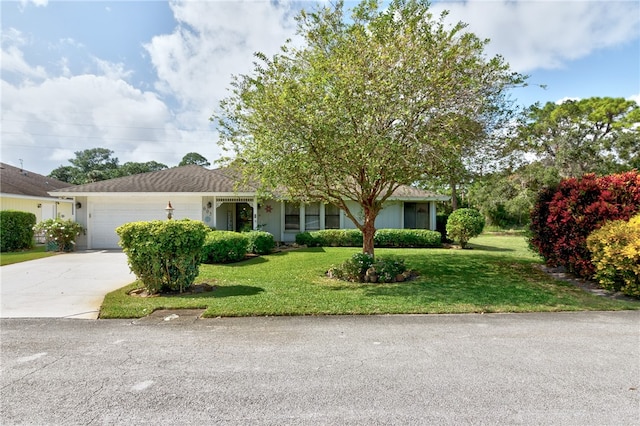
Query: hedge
(407, 238)
(16, 230)
(382, 238)
(164, 255)
(224, 247)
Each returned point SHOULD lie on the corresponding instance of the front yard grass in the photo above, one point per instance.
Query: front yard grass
(7, 258)
(499, 274)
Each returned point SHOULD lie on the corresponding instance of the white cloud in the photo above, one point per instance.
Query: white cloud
(12, 57)
(37, 3)
(195, 62)
(546, 34)
(635, 98)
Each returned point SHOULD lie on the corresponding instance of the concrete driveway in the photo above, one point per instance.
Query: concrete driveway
(69, 285)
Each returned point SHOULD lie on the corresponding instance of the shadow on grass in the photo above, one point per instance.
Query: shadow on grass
(226, 291)
(479, 247)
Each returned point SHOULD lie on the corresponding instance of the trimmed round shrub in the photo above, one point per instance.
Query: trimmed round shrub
(464, 224)
(16, 230)
(224, 247)
(260, 242)
(164, 255)
(615, 254)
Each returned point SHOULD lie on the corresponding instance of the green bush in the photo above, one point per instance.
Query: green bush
(306, 239)
(388, 269)
(259, 242)
(16, 230)
(164, 255)
(407, 238)
(60, 235)
(382, 238)
(224, 247)
(464, 224)
(361, 267)
(353, 269)
(615, 254)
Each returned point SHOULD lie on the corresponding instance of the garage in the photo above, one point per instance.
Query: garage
(105, 214)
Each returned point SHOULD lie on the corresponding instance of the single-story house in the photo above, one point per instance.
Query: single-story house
(27, 191)
(212, 196)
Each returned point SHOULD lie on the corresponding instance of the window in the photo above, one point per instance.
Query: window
(312, 217)
(331, 217)
(416, 216)
(291, 217)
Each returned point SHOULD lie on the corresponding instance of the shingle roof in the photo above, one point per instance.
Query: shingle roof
(197, 179)
(16, 181)
(189, 178)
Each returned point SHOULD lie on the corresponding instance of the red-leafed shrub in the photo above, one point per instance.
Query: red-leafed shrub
(564, 216)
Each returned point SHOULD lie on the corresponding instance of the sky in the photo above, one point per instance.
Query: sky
(143, 78)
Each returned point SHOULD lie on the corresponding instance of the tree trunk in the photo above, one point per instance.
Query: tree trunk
(454, 196)
(368, 231)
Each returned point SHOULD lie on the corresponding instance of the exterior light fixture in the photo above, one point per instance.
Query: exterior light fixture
(78, 205)
(169, 210)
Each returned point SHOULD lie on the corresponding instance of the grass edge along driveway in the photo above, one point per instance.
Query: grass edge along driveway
(499, 274)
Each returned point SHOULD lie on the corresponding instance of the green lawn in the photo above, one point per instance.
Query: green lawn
(7, 258)
(498, 275)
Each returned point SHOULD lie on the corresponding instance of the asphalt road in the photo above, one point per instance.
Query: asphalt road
(512, 369)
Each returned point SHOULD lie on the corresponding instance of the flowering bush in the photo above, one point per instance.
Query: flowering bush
(564, 216)
(59, 234)
(615, 253)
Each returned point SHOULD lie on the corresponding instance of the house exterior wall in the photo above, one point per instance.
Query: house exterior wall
(102, 214)
(391, 217)
(43, 208)
(269, 217)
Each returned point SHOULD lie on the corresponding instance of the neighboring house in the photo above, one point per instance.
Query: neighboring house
(29, 192)
(212, 197)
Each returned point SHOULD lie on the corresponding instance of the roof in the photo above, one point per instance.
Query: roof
(197, 179)
(17, 181)
(191, 178)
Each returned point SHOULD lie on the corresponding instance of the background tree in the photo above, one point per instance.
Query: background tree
(368, 104)
(90, 165)
(194, 158)
(595, 135)
(132, 168)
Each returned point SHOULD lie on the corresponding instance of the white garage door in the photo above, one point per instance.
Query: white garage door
(106, 214)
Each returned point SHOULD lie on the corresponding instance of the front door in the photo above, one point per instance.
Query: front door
(244, 217)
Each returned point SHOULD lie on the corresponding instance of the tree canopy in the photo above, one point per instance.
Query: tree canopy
(194, 158)
(368, 103)
(96, 164)
(593, 135)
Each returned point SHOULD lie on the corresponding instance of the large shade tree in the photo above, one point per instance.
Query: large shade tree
(593, 135)
(364, 105)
